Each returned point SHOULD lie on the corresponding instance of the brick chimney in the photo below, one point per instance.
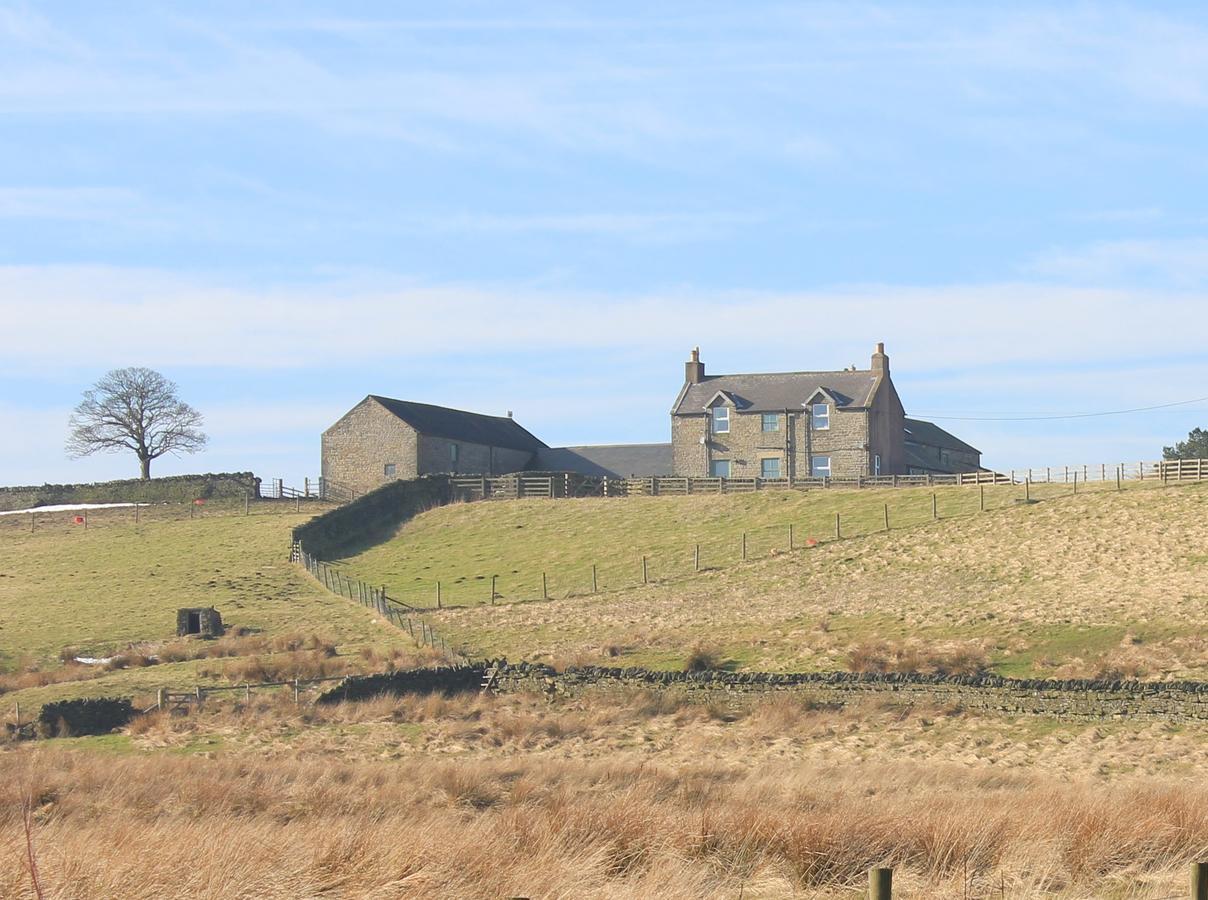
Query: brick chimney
(880, 362)
(694, 369)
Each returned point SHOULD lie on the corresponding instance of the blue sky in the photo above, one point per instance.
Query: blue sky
(543, 207)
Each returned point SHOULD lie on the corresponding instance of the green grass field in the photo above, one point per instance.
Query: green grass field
(463, 546)
(118, 584)
(1099, 583)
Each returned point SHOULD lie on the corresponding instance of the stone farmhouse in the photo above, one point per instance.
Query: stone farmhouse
(842, 423)
(770, 425)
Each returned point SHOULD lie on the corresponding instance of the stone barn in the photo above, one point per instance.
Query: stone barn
(380, 440)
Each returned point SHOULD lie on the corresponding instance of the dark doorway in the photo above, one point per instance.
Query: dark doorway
(194, 623)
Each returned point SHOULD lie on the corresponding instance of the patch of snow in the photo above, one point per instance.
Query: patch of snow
(93, 660)
(69, 507)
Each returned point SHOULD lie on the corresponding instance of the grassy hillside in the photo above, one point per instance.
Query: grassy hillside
(1100, 583)
(462, 546)
(118, 584)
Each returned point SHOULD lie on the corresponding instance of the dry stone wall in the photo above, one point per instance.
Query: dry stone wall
(1067, 699)
(1076, 698)
(171, 489)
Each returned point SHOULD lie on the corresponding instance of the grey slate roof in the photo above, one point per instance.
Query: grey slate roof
(921, 432)
(611, 460)
(459, 425)
(770, 392)
(915, 459)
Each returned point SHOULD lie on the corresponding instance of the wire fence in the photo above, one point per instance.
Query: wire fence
(856, 515)
(372, 597)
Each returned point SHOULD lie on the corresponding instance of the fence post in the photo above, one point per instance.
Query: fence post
(295, 690)
(1075, 481)
(18, 717)
(696, 559)
(247, 694)
(544, 588)
(838, 528)
(886, 516)
(159, 699)
(86, 517)
(880, 884)
(493, 577)
(438, 595)
(982, 491)
(31, 522)
(1027, 490)
(136, 507)
(744, 546)
(1199, 881)
(790, 536)
(935, 508)
(594, 588)
(645, 580)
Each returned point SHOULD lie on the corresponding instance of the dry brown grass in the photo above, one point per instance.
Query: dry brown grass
(542, 824)
(952, 658)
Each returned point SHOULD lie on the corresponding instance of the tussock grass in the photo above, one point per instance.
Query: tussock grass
(547, 819)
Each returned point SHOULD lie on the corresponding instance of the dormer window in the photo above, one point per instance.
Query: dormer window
(820, 414)
(721, 420)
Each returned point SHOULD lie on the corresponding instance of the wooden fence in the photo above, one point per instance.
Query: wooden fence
(311, 489)
(566, 485)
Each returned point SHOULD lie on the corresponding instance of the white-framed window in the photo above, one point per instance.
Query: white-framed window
(770, 422)
(820, 415)
(820, 466)
(454, 453)
(720, 468)
(721, 420)
(388, 470)
(769, 467)
(876, 464)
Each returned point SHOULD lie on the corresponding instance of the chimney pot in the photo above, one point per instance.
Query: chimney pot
(694, 369)
(880, 362)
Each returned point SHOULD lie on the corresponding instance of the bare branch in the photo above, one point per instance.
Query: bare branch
(135, 409)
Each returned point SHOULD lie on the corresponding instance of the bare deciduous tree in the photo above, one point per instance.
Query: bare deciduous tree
(135, 409)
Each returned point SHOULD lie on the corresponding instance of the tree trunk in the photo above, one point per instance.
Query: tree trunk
(144, 468)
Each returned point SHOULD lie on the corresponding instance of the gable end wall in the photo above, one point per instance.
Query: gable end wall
(357, 448)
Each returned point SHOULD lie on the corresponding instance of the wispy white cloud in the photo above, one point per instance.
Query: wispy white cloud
(72, 204)
(119, 316)
(1172, 261)
(658, 227)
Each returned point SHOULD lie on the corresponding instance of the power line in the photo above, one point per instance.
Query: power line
(1093, 415)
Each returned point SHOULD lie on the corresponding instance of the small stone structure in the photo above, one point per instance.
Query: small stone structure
(200, 620)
